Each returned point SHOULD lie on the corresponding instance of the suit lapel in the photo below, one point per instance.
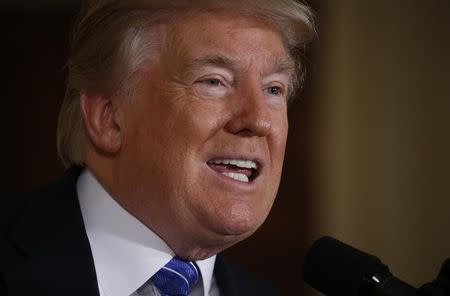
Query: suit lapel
(52, 241)
(233, 281)
(225, 278)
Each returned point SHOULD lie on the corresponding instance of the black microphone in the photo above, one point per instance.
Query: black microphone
(441, 285)
(337, 269)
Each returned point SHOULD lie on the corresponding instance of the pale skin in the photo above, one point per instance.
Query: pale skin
(217, 91)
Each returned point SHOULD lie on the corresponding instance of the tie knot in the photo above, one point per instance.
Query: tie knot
(176, 278)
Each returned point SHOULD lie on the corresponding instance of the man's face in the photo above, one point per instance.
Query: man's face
(203, 143)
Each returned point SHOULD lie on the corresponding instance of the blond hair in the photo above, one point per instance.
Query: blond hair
(108, 47)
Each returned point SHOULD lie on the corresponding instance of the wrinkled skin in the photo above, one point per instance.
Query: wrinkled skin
(218, 90)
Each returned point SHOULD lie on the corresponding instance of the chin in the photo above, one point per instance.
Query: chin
(220, 230)
(239, 222)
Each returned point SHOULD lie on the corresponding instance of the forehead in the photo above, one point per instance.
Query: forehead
(231, 35)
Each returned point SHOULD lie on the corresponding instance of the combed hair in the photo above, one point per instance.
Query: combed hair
(113, 39)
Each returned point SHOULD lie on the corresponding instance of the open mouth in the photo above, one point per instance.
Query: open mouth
(237, 169)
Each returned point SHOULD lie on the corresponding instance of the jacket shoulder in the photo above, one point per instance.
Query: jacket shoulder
(25, 207)
(11, 206)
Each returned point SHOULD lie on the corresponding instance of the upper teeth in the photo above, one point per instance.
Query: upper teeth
(248, 164)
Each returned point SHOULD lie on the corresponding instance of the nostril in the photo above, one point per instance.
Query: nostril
(246, 133)
(247, 127)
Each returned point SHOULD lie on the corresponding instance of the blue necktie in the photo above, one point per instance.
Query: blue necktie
(176, 278)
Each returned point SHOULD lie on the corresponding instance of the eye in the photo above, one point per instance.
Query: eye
(211, 86)
(212, 82)
(275, 90)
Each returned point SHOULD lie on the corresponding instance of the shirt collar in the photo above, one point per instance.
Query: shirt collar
(126, 253)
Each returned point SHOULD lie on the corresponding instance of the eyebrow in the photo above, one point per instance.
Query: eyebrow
(284, 65)
(276, 65)
(213, 60)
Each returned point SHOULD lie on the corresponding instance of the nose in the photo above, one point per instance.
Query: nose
(251, 115)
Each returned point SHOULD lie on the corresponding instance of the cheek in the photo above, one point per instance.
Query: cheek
(278, 139)
(196, 121)
(277, 147)
(168, 133)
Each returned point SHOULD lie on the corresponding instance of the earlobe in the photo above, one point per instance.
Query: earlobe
(100, 122)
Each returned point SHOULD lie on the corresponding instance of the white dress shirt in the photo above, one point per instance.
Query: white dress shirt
(127, 253)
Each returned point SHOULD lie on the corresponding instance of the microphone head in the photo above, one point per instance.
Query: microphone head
(335, 268)
(444, 277)
(445, 270)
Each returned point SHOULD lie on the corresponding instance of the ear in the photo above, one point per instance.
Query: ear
(100, 122)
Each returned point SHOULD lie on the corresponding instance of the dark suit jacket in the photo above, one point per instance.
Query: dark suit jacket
(44, 249)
